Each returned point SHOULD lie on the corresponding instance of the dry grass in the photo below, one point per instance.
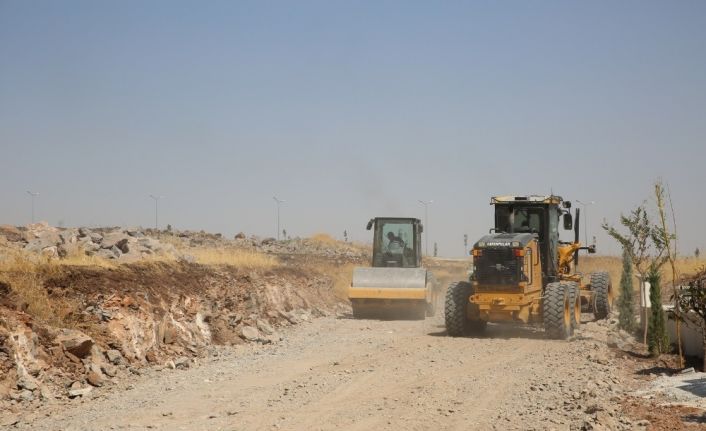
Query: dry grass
(25, 275)
(448, 270)
(614, 266)
(175, 241)
(341, 276)
(83, 260)
(327, 240)
(233, 257)
(324, 239)
(689, 266)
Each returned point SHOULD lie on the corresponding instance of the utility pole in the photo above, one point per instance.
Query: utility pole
(279, 202)
(32, 195)
(156, 210)
(585, 219)
(426, 225)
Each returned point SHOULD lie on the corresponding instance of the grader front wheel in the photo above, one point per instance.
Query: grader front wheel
(455, 308)
(557, 311)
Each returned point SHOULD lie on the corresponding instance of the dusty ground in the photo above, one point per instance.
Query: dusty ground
(339, 373)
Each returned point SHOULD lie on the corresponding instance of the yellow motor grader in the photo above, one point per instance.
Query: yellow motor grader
(523, 273)
(396, 285)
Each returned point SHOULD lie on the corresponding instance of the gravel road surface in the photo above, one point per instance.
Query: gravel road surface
(338, 373)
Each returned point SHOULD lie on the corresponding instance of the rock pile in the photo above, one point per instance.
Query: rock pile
(311, 247)
(132, 244)
(41, 365)
(107, 243)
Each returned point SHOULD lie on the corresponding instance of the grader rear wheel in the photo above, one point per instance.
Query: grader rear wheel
(557, 311)
(602, 294)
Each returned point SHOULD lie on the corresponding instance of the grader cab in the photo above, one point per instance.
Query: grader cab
(523, 273)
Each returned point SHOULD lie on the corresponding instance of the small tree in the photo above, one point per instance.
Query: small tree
(697, 252)
(626, 301)
(667, 242)
(345, 235)
(637, 243)
(436, 249)
(647, 244)
(657, 340)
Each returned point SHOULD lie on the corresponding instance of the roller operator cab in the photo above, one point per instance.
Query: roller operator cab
(523, 272)
(396, 284)
(396, 242)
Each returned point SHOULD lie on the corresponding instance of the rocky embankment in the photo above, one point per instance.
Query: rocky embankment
(66, 330)
(160, 315)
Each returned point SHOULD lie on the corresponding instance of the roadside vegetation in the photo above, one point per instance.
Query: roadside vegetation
(245, 259)
(22, 280)
(649, 246)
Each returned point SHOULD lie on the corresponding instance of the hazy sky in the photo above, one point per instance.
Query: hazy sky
(348, 110)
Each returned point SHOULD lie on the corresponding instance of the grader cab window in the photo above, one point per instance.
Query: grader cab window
(527, 221)
(394, 245)
(518, 220)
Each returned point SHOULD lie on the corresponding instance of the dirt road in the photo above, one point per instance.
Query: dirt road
(339, 373)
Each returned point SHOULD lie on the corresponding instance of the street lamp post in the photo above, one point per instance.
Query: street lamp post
(585, 218)
(426, 225)
(32, 195)
(156, 210)
(279, 202)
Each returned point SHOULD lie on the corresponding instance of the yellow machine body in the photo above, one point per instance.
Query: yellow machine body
(515, 302)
